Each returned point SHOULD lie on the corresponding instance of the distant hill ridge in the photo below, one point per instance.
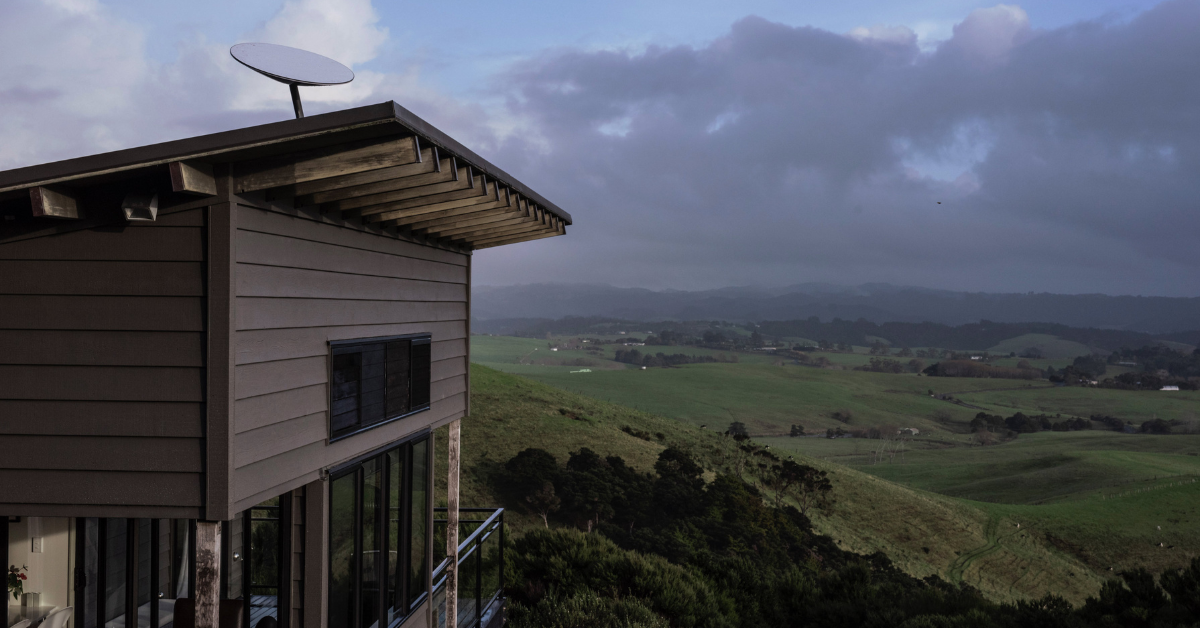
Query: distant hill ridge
(875, 302)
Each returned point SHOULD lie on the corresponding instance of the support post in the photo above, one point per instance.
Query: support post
(454, 450)
(208, 574)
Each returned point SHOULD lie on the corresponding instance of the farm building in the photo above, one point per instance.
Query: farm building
(222, 360)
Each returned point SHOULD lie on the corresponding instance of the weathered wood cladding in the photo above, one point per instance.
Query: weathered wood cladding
(301, 283)
(102, 369)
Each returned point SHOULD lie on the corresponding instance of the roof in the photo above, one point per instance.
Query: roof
(379, 165)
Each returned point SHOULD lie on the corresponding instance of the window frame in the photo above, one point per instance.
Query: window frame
(335, 345)
(354, 469)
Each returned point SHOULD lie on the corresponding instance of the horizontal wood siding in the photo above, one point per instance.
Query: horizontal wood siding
(102, 370)
(302, 283)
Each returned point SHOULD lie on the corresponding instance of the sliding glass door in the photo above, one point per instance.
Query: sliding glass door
(378, 559)
(130, 571)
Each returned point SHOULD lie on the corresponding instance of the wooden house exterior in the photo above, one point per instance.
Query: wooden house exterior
(215, 344)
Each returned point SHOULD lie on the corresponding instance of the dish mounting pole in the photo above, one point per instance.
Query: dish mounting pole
(296, 100)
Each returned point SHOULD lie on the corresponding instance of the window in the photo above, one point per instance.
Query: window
(378, 558)
(376, 380)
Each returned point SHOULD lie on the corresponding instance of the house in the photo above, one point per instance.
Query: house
(1175, 388)
(222, 360)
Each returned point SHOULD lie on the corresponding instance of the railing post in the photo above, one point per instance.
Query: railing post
(501, 552)
(453, 448)
(479, 579)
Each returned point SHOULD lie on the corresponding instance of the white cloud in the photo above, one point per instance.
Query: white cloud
(987, 35)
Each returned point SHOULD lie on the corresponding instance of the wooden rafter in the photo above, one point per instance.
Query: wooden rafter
(524, 227)
(469, 220)
(505, 222)
(193, 177)
(53, 203)
(429, 204)
(448, 173)
(484, 244)
(323, 163)
(427, 163)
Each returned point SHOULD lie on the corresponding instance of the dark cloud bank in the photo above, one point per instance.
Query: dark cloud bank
(1064, 160)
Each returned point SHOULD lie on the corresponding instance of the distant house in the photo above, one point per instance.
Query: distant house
(909, 431)
(976, 357)
(1169, 388)
(554, 348)
(1126, 363)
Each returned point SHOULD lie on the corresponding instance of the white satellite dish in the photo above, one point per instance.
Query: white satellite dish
(293, 66)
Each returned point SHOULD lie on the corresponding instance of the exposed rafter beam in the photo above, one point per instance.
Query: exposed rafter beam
(499, 232)
(448, 173)
(477, 195)
(469, 220)
(484, 244)
(472, 231)
(322, 163)
(193, 177)
(53, 203)
(369, 203)
(504, 203)
(477, 205)
(428, 162)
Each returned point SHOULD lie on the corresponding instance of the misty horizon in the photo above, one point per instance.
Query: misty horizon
(843, 286)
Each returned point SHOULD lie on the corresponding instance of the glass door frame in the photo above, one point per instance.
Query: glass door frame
(382, 525)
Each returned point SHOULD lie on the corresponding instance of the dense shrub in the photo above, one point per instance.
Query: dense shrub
(669, 549)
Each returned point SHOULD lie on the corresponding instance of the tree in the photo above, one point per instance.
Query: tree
(737, 428)
(756, 339)
(811, 487)
(797, 430)
(543, 502)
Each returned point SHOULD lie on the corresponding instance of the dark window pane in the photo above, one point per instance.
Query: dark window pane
(143, 557)
(398, 358)
(395, 462)
(264, 561)
(421, 353)
(114, 578)
(372, 502)
(417, 533)
(345, 390)
(342, 563)
(90, 566)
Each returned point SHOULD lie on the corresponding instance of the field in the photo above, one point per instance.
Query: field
(1085, 501)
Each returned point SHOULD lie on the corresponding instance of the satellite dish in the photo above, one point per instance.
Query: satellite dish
(293, 66)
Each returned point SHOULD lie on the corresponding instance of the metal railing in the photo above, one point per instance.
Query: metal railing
(480, 567)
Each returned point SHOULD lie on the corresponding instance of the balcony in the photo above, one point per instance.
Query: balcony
(480, 568)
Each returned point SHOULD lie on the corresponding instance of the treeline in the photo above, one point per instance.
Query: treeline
(969, 368)
(633, 356)
(1021, 423)
(838, 332)
(669, 549)
(960, 337)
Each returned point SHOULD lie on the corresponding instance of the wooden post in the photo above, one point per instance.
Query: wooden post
(208, 574)
(453, 449)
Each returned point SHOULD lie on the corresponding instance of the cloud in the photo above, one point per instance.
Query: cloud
(77, 78)
(1063, 159)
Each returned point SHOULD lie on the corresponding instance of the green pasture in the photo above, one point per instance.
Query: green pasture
(940, 504)
(1065, 547)
(1135, 406)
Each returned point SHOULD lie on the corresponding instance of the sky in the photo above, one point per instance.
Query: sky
(942, 143)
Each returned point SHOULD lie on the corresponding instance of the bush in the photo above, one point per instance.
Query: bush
(567, 563)
(585, 610)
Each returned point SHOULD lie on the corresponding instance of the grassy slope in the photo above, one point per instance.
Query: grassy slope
(923, 532)
(1052, 347)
